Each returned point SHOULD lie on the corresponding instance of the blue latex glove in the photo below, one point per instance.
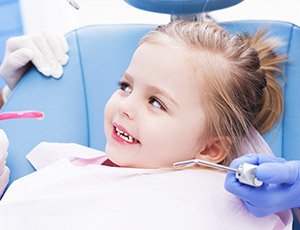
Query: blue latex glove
(281, 188)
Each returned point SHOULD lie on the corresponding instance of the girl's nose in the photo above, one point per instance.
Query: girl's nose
(127, 107)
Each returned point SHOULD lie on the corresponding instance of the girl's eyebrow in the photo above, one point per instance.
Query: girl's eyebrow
(163, 93)
(127, 76)
(154, 89)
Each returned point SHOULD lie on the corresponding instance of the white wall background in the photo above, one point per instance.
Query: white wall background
(59, 15)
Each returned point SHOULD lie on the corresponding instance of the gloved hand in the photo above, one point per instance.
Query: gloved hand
(46, 50)
(4, 171)
(281, 188)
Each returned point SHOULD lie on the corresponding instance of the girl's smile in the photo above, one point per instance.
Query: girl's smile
(122, 136)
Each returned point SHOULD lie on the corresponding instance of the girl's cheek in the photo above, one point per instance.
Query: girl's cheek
(110, 104)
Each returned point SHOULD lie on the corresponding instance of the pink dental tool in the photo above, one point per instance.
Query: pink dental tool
(21, 114)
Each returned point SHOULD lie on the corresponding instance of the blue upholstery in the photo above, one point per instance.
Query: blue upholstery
(98, 56)
(10, 24)
(182, 6)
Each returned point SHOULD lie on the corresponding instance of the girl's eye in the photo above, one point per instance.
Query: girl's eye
(157, 103)
(124, 86)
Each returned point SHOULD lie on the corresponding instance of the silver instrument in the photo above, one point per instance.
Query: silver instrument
(245, 172)
(74, 4)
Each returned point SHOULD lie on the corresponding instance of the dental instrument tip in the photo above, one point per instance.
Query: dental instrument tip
(74, 4)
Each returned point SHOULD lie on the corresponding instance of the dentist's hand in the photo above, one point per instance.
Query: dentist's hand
(46, 50)
(4, 171)
(281, 188)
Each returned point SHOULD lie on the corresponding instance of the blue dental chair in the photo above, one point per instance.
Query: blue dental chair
(74, 104)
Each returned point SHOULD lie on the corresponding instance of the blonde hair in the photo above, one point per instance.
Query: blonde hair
(241, 87)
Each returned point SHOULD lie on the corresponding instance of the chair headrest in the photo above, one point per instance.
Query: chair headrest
(175, 7)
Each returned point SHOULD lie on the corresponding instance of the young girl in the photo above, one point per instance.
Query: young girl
(191, 91)
(195, 89)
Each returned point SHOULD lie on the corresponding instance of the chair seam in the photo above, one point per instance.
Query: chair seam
(284, 93)
(84, 88)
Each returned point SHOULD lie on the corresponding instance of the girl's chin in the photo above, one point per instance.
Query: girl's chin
(114, 158)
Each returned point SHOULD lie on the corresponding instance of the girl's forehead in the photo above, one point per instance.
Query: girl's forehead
(166, 68)
(162, 62)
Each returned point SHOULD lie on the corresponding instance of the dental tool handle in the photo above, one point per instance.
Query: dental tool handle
(21, 114)
(214, 165)
(204, 163)
(246, 175)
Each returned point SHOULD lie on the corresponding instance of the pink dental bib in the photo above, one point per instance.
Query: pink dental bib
(65, 196)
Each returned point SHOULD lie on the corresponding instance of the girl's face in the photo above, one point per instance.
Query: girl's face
(155, 118)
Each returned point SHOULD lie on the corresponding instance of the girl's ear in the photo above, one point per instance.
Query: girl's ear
(216, 151)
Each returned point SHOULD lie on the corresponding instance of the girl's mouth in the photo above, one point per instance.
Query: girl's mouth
(120, 135)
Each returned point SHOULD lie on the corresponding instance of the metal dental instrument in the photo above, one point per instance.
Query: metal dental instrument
(74, 4)
(245, 173)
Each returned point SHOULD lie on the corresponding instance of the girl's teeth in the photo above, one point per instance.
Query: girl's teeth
(118, 130)
(124, 136)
